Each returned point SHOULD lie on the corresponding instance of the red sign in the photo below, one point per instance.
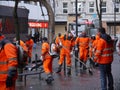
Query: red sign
(38, 24)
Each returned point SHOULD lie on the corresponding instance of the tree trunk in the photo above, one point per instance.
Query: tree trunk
(17, 28)
(51, 27)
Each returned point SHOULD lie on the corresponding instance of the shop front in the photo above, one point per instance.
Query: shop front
(38, 30)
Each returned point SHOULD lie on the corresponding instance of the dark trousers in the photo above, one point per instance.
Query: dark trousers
(106, 77)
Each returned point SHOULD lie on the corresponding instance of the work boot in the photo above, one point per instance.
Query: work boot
(59, 69)
(80, 65)
(68, 70)
(49, 79)
(84, 66)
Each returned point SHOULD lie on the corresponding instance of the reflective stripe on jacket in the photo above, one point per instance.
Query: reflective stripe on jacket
(8, 60)
(104, 52)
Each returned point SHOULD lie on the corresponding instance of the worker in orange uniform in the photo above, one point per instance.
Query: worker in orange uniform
(83, 43)
(47, 60)
(66, 52)
(8, 65)
(29, 43)
(91, 50)
(94, 45)
(104, 57)
(59, 40)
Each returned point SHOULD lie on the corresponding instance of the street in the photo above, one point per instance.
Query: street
(82, 81)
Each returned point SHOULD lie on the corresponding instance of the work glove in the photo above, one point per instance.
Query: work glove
(71, 53)
(41, 58)
(9, 82)
(76, 48)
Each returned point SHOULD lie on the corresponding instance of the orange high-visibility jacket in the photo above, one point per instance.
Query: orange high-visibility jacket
(67, 45)
(59, 40)
(29, 44)
(8, 60)
(45, 50)
(104, 52)
(47, 59)
(96, 41)
(23, 45)
(82, 42)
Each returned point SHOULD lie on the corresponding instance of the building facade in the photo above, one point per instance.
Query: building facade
(87, 10)
(38, 17)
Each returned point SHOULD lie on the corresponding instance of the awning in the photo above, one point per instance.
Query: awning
(7, 11)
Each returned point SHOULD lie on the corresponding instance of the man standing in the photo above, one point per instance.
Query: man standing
(65, 52)
(104, 57)
(8, 65)
(83, 43)
(29, 43)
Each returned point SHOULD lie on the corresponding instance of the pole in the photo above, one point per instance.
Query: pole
(114, 18)
(17, 28)
(76, 51)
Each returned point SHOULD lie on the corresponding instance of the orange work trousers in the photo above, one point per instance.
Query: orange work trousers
(65, 54)
(83, 53)
(47, 65)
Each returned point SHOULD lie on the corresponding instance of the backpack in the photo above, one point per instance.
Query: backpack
(53, 50)
(21, 54)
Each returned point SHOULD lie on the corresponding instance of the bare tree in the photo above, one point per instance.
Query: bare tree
(99, 11)
(17, 28)
(51, 31)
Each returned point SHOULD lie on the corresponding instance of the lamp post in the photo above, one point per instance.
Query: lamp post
(76, 17)
(76, 48)
(114, 1)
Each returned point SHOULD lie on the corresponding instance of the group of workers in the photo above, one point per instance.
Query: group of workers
(97, 48)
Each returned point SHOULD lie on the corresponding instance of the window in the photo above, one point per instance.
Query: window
(117, 7)
(91, 10)
(117, 10)
(91, 4)
(80, 7)
(65, 11)
(104, 7)
(91, 7)
(65, 7)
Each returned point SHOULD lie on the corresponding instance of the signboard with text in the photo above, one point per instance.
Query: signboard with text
(38, 24)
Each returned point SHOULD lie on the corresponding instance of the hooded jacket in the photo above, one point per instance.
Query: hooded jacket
(104, 50)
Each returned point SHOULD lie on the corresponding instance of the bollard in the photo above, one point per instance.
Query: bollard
(64, 66)
(36, 61)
